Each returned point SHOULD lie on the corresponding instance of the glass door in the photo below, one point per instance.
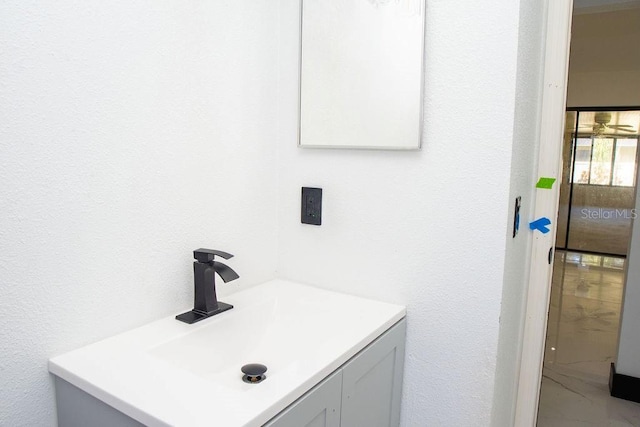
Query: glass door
(597, 193)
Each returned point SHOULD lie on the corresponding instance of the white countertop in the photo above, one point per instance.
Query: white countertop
(169, 373)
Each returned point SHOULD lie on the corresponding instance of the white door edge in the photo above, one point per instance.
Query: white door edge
(558, 34)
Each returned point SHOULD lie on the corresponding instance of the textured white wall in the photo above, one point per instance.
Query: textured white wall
(424, 228)
(131, 133)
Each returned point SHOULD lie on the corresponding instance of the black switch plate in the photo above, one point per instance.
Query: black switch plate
(311, 209)
(516, 216)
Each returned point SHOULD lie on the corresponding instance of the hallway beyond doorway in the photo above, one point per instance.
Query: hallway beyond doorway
(582, 336)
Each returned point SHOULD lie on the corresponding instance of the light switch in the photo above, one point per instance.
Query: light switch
(311, 209)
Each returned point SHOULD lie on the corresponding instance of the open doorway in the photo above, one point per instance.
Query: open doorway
(602, 71)
(597, 199)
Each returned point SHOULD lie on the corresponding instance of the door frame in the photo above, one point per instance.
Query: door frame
(554, 93)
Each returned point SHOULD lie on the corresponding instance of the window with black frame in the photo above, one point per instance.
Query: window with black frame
(605, 160)
(597, 194)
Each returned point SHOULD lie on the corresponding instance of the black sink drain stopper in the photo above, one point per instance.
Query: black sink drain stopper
(253, 373)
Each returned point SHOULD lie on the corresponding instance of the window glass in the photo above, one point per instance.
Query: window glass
(624, 167)
(583, 158)
(601, 157)
(605, 160)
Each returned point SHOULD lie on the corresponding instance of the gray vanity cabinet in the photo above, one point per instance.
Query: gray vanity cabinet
(364, 392)
(372, 382)
(320, 407)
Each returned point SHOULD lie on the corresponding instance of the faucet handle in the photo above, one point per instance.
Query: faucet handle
(207, 255)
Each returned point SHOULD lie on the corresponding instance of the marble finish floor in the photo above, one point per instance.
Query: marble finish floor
(582, 340)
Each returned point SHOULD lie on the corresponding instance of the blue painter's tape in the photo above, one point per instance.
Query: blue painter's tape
(540, 224)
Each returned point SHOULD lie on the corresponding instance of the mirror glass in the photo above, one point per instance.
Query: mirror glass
(361, 73)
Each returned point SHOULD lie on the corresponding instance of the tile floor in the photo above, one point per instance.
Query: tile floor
(582, 338)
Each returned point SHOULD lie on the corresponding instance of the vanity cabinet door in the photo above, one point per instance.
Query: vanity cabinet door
(372, 382)
(320, 407)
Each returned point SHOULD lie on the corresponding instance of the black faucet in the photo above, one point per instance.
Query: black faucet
(206, 302)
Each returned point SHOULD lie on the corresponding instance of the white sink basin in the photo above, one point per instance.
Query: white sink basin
(172, 373)
(275, 333)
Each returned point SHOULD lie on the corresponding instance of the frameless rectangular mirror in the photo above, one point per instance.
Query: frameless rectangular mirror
(361, 73)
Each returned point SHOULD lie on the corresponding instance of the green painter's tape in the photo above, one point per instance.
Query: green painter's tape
(545, 183)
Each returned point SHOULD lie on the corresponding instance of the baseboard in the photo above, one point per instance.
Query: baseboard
(624, 386)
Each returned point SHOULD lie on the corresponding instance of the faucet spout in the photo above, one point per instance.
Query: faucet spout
(206, 302)
(224, 271)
